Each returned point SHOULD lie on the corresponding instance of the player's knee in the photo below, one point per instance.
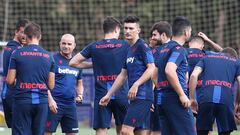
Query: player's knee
(125, 131)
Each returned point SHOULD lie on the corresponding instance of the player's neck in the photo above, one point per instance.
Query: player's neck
(110, 36)
(179, 40)
(133, 41)
(34, 41)
(67, 56)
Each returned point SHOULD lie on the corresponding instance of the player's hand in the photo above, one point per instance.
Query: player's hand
(201, 34)
(52, 105)
(152, 108)
(104, 100)
(237, 111)
(194, 106)
(79, 98)
(185, 101)
(133, 91)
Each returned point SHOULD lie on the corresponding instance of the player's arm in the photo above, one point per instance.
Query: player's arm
(192, 87)
(79, 90)
(155, 76)
(11, 76)
(211, 43)
(145, 76)
(121, 78)
(172, 77)
(51, 80)
(79, 61)
(237, 103)
(51, 103)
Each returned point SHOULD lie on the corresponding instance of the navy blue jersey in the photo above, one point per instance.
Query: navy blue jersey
(32, 64)
(139, 55)
(171, 52)
(66, 78)
(10, 47)
(108, 57)
(219, 73)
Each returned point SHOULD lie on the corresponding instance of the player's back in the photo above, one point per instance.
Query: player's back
(219, 72)
(32, 64)
(108, 57)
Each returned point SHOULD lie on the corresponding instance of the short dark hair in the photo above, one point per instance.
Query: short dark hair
(21, 23)
(180, 24)
(33, 30)
(131, 19)
(110, 24)
(230, 51)
(196, 38)
(162, 27)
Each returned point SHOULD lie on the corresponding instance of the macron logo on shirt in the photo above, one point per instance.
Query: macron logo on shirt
(67, 71)
(130, 60)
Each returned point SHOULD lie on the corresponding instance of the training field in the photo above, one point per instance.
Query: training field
(89, 131)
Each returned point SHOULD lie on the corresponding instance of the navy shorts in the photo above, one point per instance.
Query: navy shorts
(138, 114)
(103, 115)
(29, 119)
(155, 119)
(66, 116)
(7, 104)
(175, 119)
(223, 114)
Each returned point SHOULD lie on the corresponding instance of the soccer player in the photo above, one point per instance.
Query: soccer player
(31, 70)
(68, 82)
(216, 100)
(7, 92)
(196, 49)
(138, 68)
(161, 34)
(108, 56)
(175, 114)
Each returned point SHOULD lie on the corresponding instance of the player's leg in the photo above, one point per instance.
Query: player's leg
(102, 118)
(205, 118)
(165, 125)
(137, 114)
(7, 104)
(22, 115)
(40, 113)
(69, 121)
(53, 120)
(155, 122)
(119, 108)
(181, 119)
(225, 119)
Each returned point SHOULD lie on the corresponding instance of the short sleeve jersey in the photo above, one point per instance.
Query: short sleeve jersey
(139, 55)
(108, 57)
(10, 47)
(171, 52)
(32, 64)
(219, 73)
(66, 78)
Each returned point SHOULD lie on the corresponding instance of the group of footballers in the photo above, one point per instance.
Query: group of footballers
(149, 89)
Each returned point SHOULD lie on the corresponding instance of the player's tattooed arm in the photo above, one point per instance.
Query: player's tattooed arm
(79, 61)
(213, 44)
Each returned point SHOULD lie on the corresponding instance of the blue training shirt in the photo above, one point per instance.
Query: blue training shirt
(32, 64)
(66, 78)
(108, 57)
(10, 47)
(219, 73)
(171, 52)
(139, 55)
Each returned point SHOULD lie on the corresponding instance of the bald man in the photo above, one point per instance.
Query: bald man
(68, 82)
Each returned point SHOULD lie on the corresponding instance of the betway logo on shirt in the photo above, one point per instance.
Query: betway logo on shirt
(130, 60)
(67, 71)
